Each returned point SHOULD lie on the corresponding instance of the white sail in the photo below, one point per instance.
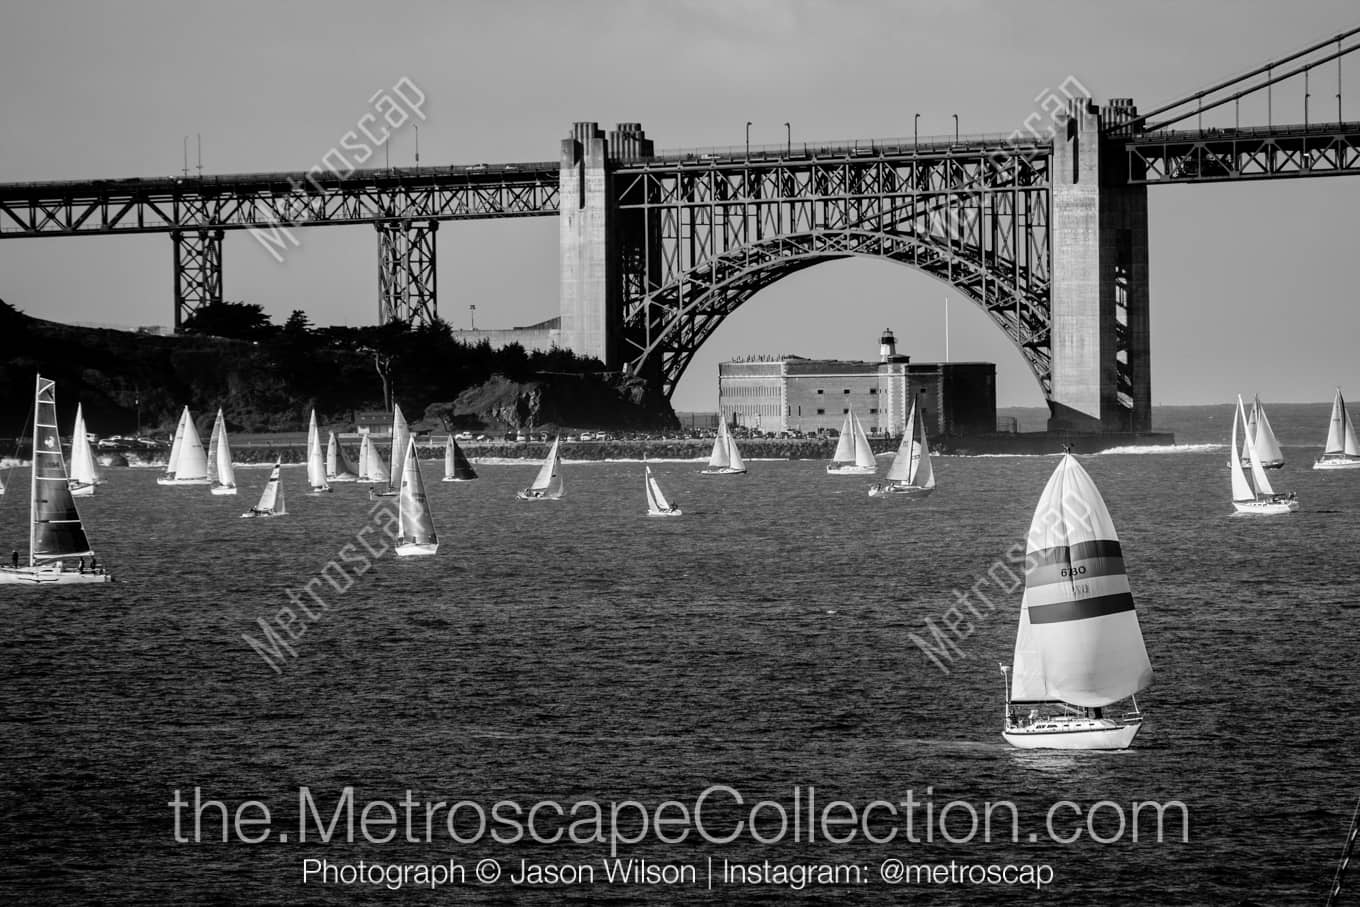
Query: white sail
(734, 460)
(864, 454)
(219, 455)
(721, 457)
(911, 464)
(1079, 640)
(316, 466)
(656, 499)
(548, 482)
(192, 462)
(401, 433)
(1258, 472)
(1241, 488)
(271, 499)
(1341, 431)
(371, 465)
(1263, 438)
(177, 444)
(457, 467)
(923, 474)
(845, 444)
(417, 535)
(84, 472)
(338, 466)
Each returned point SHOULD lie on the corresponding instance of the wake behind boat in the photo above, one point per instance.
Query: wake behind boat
(1341, 450)
(853, 456)
(1255, 495)
(1079, 648)
(911, 473)
(56, 534)
(726, 458)
(271, 499)
(547, 485)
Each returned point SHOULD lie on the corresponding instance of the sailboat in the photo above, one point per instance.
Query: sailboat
(457, 467)
(1079, 648)
(416, 528)
(188, 462)
(547, 485)
(401, 433)
(219, 458)
(1262, 499)
(911, 472)
(271, 499)
(1341, 450)
(316, 465)
(853, 456)
(338, 467)
(55, 533)
(726, 458)
(371, 465)
(657, 505)
(84, 472)
(1257, 430)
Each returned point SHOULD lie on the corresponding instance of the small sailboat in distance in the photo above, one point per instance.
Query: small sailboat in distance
(338, 467)
(457, 467)
(316, 465)
(416, 528)
(1079, 648)
(911, 473)
(657, 505)
(55, 532)
(188, 461)
(84, 471)
(1257, 431)
(1341, 450)
(371, 465)
(726, 458)
(1261, 499)
(401, 433)
(271, 499)
(219, 458)
(547, 485)
(853, 456)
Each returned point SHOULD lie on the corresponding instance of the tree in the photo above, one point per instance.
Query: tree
(237, 320)
(298, 325)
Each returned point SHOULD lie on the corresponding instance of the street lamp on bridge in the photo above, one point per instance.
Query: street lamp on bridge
(472, 310)
(956, 129)
(788, 140)
(916, 130)
(748, 138)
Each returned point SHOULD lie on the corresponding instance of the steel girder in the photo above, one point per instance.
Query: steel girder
(406, 272)
(280, 200)
(1220, 155)
(704, 239)
(198, 271)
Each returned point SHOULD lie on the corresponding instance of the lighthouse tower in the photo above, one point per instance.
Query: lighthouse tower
(887, 346)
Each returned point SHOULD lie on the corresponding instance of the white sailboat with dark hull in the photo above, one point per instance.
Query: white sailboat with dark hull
(853, 456)
(271, 499)
(547, 485)
(219, 458)
(1341, 450)
(1255, 495)
(416, 535)
(316, 464)
(726, 458)
(911, 473)
(56, 536)
(338, 467)
(84, 471)
(188, 461)
(1079, 648)
(457, 467)
(657, 505)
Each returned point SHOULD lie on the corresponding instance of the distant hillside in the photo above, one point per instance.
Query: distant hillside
(269, 378)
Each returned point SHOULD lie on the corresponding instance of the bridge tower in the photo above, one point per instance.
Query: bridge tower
(603, 251)
(198, 271)
(406, 272)
(1099, 314)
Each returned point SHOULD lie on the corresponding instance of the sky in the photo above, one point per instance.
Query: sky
(1251, 284)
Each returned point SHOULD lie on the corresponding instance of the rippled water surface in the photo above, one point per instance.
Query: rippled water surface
(578, 650)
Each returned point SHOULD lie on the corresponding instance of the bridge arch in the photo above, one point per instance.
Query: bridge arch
(668, 326)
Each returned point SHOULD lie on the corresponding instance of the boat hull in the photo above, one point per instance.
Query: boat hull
(723, 471)
(80, 490)
(525, 494)
(43, 576)
(850, 469)
(336, 480)
(455, 479)
(224, 489)
(251, 515)
(1074, 734)
(323, 490)
(1265, 464)
(1339, 462)
(416, 549)
(906, 491)
(1266, 508)
(163, 480)
(674, 512)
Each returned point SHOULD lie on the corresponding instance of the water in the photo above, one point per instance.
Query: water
(577, 650)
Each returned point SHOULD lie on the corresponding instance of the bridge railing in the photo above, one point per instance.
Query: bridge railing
(852, 147)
